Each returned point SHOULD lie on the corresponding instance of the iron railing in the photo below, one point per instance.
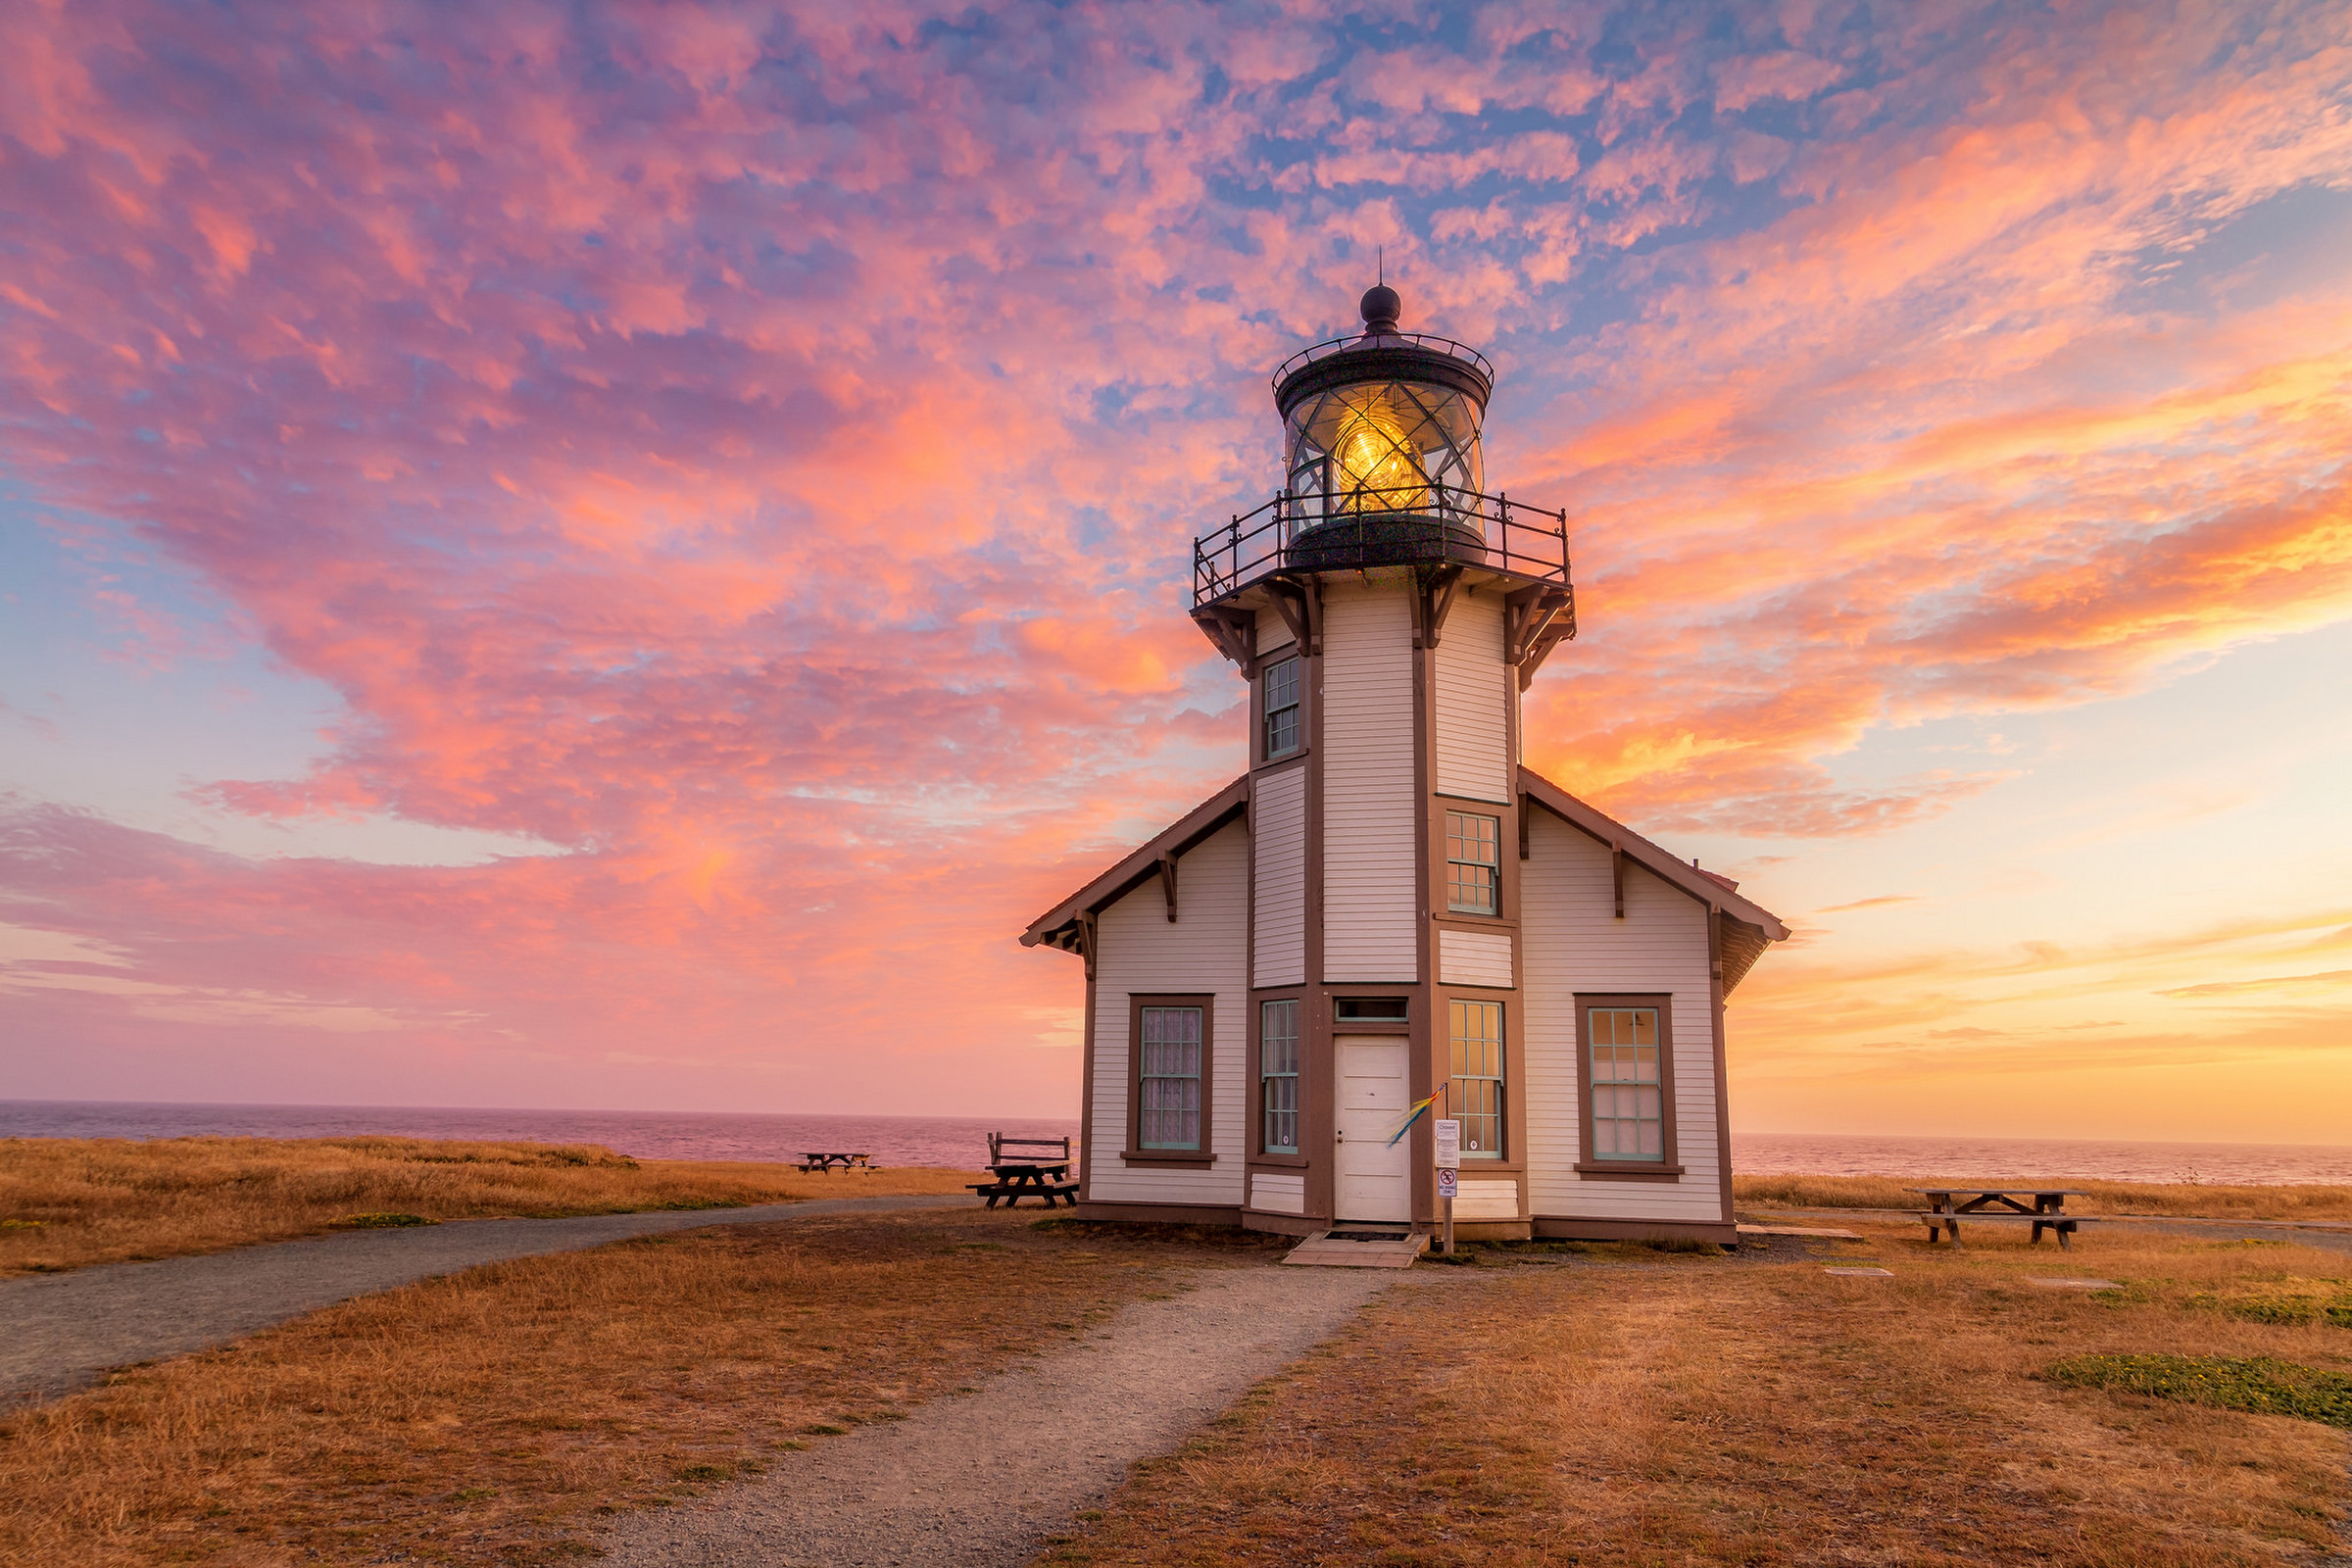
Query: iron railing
(1420, 340)
(1406, 525)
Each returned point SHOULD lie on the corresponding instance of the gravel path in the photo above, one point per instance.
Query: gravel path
(979, 1479)
(63, 1329)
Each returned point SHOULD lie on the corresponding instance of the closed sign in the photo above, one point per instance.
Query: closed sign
(1448, 1140)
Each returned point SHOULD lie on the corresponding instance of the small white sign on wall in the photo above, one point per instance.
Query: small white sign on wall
(1448, 1141)
(1448, 1186)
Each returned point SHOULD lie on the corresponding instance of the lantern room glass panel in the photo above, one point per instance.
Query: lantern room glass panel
(1384, 446)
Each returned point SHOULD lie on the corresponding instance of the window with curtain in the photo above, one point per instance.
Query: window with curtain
(1628, 1107)
(1278, 1066)
(1473, 854)
(1170, 1083)
(1476, 1095)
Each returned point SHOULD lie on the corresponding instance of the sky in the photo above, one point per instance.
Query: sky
(616, 556)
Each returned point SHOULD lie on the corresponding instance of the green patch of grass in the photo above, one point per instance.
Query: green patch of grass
(22, 1224)
(2288, 1300)
(377, 1222)
(2262, 1384)
(705, 1472)
(824, 1429)
(469, 1495)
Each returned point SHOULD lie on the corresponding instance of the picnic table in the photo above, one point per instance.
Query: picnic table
(1013, 1176)
(1948, 1207)
(830, 1159)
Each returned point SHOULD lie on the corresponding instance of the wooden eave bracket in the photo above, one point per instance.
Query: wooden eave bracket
(1617, 877)
(1536, 619)
(1086, 942)
(1234, 633)
(1298, 600)
(1433, 601)
(1167, 884)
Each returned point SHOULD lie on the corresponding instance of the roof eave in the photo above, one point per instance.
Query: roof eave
(1608, 830)
(1143, 863)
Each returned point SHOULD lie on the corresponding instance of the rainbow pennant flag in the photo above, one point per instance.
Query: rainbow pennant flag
(1411, 1116)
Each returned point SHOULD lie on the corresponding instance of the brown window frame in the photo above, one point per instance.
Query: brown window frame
(1259, 755)
(1665, 1169)
(1136, 1154)
(1493, 868)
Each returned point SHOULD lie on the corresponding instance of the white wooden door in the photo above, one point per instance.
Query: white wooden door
(1372, 1174)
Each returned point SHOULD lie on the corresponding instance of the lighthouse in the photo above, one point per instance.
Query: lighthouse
(1389, 918)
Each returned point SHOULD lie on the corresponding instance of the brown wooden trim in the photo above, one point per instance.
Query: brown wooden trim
(1135, 1152)
(1316, 1061)
(1513, 1160)
(1140, 865)
(1424, 1038)
(1723, 1081)
(1607, 830)
(1617, 877)
(1257, 709)
(1587, 1164)
(1086, 1109)
(1159, 1213)
(1566, 1228)
(1279, 1162)
(1167, 884)
(1169, 1159)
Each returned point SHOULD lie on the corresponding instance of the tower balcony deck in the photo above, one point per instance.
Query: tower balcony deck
(1421, 525)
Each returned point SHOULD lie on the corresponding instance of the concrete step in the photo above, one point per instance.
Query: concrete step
(1365, 1248)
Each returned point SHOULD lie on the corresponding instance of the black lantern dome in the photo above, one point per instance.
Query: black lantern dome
(1381, 441)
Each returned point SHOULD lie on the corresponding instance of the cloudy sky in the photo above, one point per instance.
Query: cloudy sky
(614, 557)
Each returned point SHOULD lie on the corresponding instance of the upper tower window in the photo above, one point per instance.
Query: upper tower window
(1282, 707)
(1473, 858)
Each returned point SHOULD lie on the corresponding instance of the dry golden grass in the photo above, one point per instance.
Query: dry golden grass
(2105, 1198)
(494, 1416)
(1701, 1411)
(69, 1201)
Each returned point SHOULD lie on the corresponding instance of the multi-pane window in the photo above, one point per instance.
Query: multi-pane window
(1628, 1111)
(1278, 1070)
(1282, 707)
(1476, 1096)
(1171, 1080)
(1473, 852)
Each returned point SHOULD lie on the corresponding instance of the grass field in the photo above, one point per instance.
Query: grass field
(495, 1416)
(66, 1202)
(1692, 1410)
(2104, 1197)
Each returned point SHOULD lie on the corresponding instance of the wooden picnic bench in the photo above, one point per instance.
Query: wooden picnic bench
(835, 1160)
(1948, 1207)
(1013, 1176)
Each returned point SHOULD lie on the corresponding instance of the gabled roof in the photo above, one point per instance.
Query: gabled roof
(1057, 926)
(1744, 928)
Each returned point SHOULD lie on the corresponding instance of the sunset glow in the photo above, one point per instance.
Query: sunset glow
(619, 561)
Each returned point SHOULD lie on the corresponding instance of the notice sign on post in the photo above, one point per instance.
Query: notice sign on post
(1445, 1186)
(1449, 1142)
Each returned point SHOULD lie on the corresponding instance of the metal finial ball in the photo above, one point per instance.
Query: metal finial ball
(1381, 308)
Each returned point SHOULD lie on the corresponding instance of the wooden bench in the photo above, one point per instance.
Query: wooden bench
(998, 1143)
(1949, 1224)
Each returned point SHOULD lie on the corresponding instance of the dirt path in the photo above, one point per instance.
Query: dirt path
(978, 1481)
(63, 1329)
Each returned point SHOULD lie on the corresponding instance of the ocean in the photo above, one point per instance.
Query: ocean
(962, 1142)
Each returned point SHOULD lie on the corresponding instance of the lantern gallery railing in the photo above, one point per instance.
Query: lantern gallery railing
(1418, 524)
(1419, 340)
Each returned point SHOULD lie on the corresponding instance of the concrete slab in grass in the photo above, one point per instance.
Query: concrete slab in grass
(2074, 1285)
(1862, 1273)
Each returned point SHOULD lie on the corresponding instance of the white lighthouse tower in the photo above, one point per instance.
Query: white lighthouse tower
(1388, 913)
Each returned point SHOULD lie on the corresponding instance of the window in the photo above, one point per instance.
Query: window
(1171, 1060)
(1625, 1051)
(1281, 688)
(1370, 1010)
(1278, 1068)
(1476, 1096)
(1472, 854)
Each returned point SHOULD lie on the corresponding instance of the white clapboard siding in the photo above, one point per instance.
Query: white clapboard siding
(1278, 1192)
(1487, 1201)
(1574, 942)
(1278, 843)
(1474, 957)
(1473, 702)
(1138, 951)
(1370, 910)
(1273, 632)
